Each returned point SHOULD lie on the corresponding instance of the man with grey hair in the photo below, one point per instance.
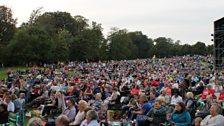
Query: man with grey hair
(91, 117)
(97, 102)
(214, 119)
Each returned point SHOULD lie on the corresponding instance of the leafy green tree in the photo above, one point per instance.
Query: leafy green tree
(58, 36)
(176, 48)
(54, 22)
(186, 49)
(200, 48)
(209, 49)
(29, 45)
(163, 47)
(61, 43)
(142, 43)
(87, 44)
(7, 25)
(119, 45)
(35, 15)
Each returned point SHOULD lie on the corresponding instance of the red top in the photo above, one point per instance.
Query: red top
(221, 96)
(36, 90)
(155, 83)
(168, 91)
(207, 92)
(76, 80)
(135, 91)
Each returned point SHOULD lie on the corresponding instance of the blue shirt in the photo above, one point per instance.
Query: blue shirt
(182, 119)
(151, 102)
(147, 107)
(93, 123)
(17, 104)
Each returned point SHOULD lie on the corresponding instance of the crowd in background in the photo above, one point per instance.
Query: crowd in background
(178, 91)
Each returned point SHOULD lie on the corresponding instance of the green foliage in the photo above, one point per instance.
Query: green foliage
(143, 45)
(59, 37)
(31, 44)
(199, 48)
(3, 71)
(163, 47)
(7, 25)
(61, 42)
(120, 45)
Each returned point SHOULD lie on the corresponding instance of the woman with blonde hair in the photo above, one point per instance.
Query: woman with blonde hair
(82, 105)
(35, 122)
(190, 104)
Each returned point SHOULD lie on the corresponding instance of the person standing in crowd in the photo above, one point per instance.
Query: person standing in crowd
(184, 85)
(11, 106)
(16, 102)
(22, 99)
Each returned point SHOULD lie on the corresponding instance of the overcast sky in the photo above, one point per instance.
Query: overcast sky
(186, 20)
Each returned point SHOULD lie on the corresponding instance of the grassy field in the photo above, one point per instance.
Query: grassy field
(3, 71)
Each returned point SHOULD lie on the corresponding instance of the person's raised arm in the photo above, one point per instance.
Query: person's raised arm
(63, 103)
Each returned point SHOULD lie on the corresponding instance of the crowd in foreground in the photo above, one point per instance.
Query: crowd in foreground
(178, 91)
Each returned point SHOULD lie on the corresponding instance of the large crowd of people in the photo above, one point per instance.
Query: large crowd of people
(178, 91)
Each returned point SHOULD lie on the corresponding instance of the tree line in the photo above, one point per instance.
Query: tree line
(51, 37)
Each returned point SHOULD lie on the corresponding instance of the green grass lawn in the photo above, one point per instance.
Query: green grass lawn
(3, 72)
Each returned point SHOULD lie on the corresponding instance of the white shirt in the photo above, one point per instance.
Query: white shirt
(174, 100)
(22, 101)
(175, 85)
(213, 121)
(79, 118)
(11, 107)
(84, 123)
(93, 123)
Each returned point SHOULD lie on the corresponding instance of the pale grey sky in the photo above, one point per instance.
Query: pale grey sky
(186, 20)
